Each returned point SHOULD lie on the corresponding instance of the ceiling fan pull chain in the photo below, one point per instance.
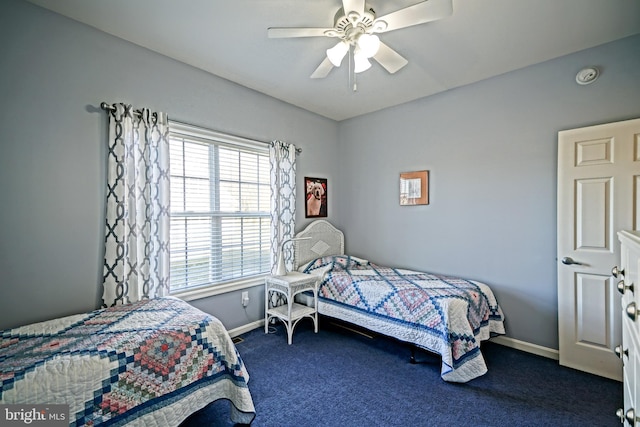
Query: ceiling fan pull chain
(352, 74)
(355, 82)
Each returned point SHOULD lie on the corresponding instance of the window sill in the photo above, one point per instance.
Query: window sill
(209, 291)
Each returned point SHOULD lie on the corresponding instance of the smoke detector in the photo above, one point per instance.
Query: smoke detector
(587, 75)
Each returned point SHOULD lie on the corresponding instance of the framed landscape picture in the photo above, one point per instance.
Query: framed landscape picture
(316, 197)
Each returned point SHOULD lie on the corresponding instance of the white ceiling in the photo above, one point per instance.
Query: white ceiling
(481, 39)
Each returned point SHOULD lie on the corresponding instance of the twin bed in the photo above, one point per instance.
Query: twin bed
(150, 363)
(445, 315)
(155, 362)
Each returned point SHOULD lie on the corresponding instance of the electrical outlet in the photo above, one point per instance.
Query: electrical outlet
(245, 298)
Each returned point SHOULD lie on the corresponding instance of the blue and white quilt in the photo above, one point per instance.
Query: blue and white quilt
(150, 363)
(445, 315)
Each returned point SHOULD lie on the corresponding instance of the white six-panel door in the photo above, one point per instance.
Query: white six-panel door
(598, 194)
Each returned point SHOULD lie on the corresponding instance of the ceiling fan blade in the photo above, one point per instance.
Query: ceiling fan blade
(323, 69)
(391, 60)
(353, 6)
(279, 33)
(425, 11)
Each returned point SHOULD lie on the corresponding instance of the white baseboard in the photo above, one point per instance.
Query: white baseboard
(246, 328)
(502, 340)
(526, 346)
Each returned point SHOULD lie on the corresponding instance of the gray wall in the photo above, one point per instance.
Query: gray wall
(490, 147)
(54, 73)
(491, 150)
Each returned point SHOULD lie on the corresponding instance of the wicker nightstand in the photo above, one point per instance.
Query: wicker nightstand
(291, 312)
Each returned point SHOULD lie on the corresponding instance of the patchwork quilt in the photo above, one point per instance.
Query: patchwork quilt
(449, 316)
(151, 363)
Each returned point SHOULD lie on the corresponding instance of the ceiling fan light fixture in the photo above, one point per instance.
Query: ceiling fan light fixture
(357, 26)
(337, 53)
(368, 44)
(360, 62)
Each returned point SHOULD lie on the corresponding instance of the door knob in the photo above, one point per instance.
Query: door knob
(630, 415)
(622, 287)
(632, 311)
(569, 261)
(620, 352)
(615, 271)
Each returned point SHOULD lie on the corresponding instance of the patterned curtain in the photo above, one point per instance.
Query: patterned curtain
(282, 157)
(136, 262)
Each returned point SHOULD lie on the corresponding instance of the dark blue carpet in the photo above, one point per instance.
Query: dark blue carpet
(339, 378)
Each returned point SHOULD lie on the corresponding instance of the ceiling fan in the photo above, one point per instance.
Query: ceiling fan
(356, 26)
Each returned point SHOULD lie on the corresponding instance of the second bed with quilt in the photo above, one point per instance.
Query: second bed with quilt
(445, 315)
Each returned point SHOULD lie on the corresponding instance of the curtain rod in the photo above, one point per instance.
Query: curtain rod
(110, 108)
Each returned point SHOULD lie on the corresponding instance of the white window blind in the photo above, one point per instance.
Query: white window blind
(220, 216)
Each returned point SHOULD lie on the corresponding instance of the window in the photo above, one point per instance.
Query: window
(220, 216)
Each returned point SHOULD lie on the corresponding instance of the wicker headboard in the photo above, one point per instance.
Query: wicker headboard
(325, 240)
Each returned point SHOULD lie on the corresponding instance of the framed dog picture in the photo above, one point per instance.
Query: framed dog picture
(316, 197)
